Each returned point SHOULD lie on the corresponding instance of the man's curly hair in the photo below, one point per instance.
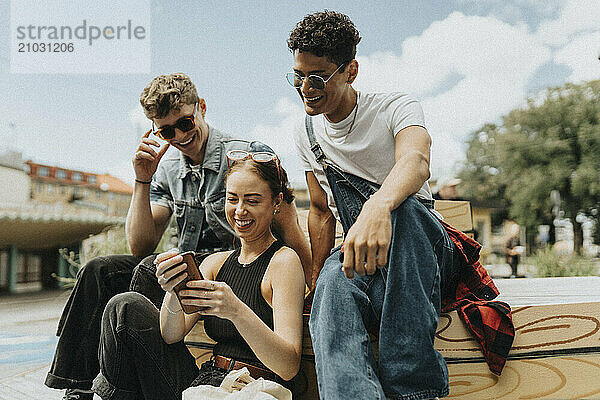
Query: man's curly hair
(328, 34)
(167, 93)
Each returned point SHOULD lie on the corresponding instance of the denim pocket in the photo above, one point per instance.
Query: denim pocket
(217, 203)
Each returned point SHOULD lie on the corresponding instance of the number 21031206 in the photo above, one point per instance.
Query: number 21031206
(43, 47)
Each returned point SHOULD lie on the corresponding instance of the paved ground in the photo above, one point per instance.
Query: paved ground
(28, 325)
(27, 341)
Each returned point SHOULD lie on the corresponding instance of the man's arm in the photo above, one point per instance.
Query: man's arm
(286, 223)
(321, 228)
(145, 223)
(370, 236)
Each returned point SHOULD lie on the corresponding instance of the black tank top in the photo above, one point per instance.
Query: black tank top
(245, 283)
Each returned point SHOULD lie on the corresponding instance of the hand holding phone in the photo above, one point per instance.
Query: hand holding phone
(193, 274)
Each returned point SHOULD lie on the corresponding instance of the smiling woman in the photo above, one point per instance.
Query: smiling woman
(250, 300)
(256, 186)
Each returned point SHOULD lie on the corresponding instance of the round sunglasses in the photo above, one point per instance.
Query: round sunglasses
(314, 81)
(184, 124)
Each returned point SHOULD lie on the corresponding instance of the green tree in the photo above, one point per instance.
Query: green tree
(481, 170)
(551, 144)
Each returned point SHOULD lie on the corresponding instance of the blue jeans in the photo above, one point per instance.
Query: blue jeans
(401, 302)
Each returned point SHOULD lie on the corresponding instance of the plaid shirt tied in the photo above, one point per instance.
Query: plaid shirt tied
(490, 322)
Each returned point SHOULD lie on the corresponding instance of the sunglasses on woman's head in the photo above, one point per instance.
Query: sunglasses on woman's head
(259, 156)
(184, 124)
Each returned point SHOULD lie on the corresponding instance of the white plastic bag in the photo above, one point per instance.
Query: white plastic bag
(239, 385)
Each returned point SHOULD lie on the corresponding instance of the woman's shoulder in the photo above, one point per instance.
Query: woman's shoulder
(284, 259)
(285, 253)
(219, 256)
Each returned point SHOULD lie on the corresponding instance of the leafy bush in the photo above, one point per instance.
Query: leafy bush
(112, 240)
(550, 263)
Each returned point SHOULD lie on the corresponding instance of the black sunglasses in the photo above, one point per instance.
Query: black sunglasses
(184, 124)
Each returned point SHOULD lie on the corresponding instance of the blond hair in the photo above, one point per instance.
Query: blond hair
(167, 93)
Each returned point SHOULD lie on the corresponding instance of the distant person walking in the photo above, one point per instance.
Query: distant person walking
(513, 250)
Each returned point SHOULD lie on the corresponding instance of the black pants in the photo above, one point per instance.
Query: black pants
(75, 362)
(135, 361)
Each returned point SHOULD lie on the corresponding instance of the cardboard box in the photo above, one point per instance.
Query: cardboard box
(456, 213)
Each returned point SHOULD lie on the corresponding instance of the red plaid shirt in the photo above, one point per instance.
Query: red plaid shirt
(490, 322)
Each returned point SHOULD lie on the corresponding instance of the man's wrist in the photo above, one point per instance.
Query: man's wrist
(242, 312)
(379, 201)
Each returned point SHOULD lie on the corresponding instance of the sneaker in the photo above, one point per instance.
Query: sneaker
(78, 394)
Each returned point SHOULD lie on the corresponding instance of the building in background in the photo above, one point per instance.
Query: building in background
(45, 208)
(78, 191)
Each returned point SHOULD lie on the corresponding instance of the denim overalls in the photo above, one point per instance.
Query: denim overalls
(400, 302)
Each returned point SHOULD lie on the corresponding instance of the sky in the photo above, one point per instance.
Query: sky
(468, 62)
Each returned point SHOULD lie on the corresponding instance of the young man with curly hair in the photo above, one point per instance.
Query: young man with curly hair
(191, 186)
(366, 159)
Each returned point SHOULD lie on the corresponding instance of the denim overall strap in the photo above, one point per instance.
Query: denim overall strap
(314, 145)
(349, 191)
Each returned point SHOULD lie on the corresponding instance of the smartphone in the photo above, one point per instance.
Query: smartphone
(193, 274)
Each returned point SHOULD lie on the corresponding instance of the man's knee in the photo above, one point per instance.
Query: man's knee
(106, 266)
(122, 307)
(144, 281)
(331, 274)
(410, 209)
(148, 264)
(95, 269)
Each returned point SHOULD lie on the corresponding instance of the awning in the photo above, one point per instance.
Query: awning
(31, 229)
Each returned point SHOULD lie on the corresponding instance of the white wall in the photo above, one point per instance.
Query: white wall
(15, 186)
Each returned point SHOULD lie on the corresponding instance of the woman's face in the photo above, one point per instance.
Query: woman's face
(249, 204)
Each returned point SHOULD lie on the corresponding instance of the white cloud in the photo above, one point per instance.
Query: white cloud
(495, 61)
(279, 137)
(575, 17)
(512, 10)
(137, 117)
(581, 55)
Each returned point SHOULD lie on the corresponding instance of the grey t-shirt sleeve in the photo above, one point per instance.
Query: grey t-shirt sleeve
(159, 189)
(403, 111)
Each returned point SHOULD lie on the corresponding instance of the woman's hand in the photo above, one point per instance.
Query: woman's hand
(217, 298)
(168, 272)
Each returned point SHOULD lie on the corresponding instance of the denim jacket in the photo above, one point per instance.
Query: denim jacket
(176, 187)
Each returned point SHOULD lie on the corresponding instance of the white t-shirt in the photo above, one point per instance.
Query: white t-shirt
(368, 151)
